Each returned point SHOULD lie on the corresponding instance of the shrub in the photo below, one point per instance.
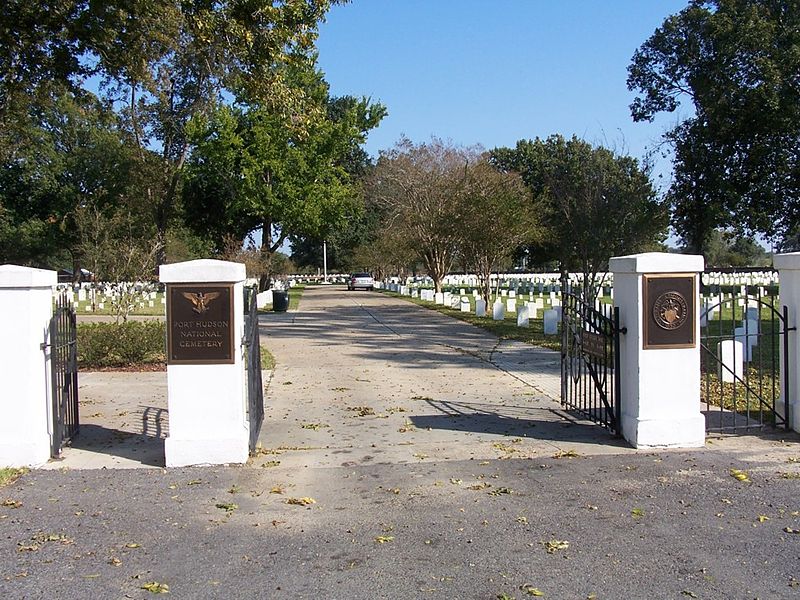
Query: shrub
(117, 344)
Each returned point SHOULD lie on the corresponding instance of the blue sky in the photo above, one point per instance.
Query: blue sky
(492, 72)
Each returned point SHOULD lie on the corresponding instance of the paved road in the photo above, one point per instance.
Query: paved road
(439, 468)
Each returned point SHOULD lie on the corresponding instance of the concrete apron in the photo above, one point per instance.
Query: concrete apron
(362, 378)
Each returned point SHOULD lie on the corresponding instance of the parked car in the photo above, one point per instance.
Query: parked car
(361, 280)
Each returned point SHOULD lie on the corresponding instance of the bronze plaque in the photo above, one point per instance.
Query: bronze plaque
(669, 311)
(199, 324)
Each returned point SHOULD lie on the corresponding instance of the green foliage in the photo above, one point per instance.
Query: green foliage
(267, 360)
(161, 64)
(62, 156)
(593, 203)
(726, 250)
(494, 219)
(258, 169)
(119, 344)
(9, 475)
(736, 158)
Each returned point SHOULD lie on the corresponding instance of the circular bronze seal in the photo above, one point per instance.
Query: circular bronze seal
(670, 310)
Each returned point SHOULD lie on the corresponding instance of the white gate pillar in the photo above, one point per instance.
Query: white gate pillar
(660, 354)
(205, 368)
(788, 266)
(26, 307)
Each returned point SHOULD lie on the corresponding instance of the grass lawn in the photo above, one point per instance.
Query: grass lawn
(506, 329)
(10, 475)
(295, 293)
(158, 309)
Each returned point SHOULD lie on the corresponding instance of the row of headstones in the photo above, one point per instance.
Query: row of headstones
(767, 278)
(84, 294)
(525, 311)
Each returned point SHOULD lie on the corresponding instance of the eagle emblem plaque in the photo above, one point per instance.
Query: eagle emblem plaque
(199, 324)
(669, 311)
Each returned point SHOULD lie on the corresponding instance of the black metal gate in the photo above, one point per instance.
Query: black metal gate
(64, 373)
(255, 387)
(590, 359)
(743, 334)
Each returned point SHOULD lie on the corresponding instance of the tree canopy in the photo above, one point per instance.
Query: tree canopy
(737, 157)
(255, 169)
(593, 204)
(162, 66)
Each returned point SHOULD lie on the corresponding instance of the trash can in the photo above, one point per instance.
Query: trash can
(280, 301)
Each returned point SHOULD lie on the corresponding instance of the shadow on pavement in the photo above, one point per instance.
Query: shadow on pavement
(532, 423)
(148, 450)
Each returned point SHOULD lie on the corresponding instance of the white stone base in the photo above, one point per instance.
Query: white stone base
(186, 453)
(25, 452)
(689, 432)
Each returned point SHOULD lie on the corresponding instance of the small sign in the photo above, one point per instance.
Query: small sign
(199, 324)
(669, 311)
(594, 344)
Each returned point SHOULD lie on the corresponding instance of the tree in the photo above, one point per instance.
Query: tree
(254, 169)
(163, 63)
(64, 154)
(420, 188)
(496, 218)
(725, 249)
(738, 156)
(117, 251)
(593, 203)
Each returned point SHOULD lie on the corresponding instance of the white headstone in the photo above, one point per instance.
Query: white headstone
(480, 307)
(498, 310)
(551, 319)
(465, 305)
(731, 357)
(439, 298)
(511, 305)
(523, 316)
(264, 298)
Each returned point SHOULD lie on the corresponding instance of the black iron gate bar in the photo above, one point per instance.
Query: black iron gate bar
(252, 344)
(64, 373)
(750, 399)
(590, 361)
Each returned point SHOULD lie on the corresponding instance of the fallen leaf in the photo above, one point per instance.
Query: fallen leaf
(156, 588)
(271, 463)
(314, 426)
(532, 591)
(637, 513)
(9, 503)
(304, 501)
(133, 545)
(553, 545)
(566, 454)
(762, 518)
(382, 539)
(228, 507)
(501, 491)
(740, 475)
